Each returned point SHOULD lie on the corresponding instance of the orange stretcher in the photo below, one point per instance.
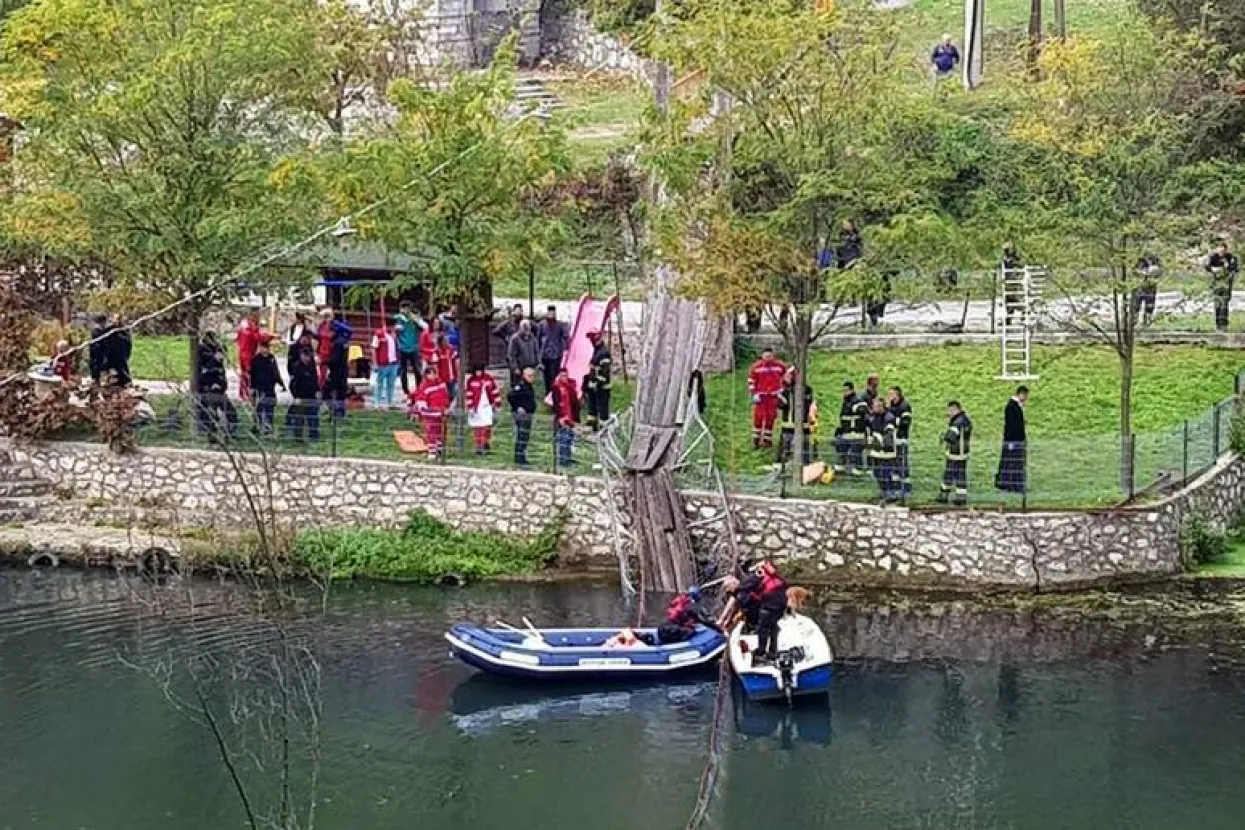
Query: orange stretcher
(410, 442)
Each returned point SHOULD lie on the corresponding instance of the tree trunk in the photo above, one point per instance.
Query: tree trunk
(801, 335)
(1061, 19)
(1127, 456)
(1035, 37)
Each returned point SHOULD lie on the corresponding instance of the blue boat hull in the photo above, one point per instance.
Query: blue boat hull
(812, 681)
(579, 654)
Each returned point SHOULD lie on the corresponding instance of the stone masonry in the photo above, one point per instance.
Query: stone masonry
(824, 541)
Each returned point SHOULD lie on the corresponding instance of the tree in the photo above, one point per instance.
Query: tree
(1105, 147)
(151, 130)
(459, 175)
(827, 123)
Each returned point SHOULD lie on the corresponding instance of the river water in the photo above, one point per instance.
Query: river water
(943, 715)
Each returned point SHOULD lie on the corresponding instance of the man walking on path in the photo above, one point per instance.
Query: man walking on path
(554, 338)
(522, 400)
(956, 441)
(407, 326)
(1012, 461)
(1223, 266)
(765, 387)
(598, 381)
(523, 351)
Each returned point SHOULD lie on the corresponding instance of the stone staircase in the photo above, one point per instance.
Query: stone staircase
(22, 491)
(532, 94)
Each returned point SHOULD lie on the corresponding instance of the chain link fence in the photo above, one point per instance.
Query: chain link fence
(1067, 472)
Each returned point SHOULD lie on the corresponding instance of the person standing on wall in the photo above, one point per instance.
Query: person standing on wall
(956, 441)
(1223, 266)
(565, 415)
(1014, 457)
(849, 436)
(554, 340)
(765, 387)
(483, 399)
(902, 410)
(522, 398)
(597, 382)
(407, 326)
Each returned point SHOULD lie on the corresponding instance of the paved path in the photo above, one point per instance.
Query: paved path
(921, 317)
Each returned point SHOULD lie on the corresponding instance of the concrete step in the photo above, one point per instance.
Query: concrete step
(24, 487)
(18, 510)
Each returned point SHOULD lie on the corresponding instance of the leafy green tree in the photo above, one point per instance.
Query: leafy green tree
(464, 176)
(151, 130)
(824, 122)
(1106, 178)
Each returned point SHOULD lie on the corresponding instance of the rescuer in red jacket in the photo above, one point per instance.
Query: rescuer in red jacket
(430, 403)
(565, 416)
(483, 401)
(765, 387)
(247, 338)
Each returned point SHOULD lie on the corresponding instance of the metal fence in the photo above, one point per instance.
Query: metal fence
(1065, 472)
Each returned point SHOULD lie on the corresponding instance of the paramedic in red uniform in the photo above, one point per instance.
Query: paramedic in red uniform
(247, 338)
(483, 403)
(430, 402)
(765, 386)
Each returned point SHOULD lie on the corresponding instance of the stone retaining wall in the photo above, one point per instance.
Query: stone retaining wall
(188, 488)
(830, 541)
(571, 39)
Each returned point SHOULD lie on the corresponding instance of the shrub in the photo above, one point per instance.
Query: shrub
(1201, 543)
(425, 550)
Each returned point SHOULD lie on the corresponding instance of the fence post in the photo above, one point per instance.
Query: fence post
(1215, 434)
(1184, 455)
(1236, 384)
(333, 431)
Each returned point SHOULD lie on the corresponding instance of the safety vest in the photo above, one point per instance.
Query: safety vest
(881, 437)
(957, 437)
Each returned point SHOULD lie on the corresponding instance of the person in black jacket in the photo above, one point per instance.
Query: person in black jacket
(1012, 460)
(957, 444)
(117, 349)
(597, 382)
(902, 410)
(849, 436)
(98, 353)
(214, 411)
(522, 399)
(1223, 266)
(305, 389)
(265, 378)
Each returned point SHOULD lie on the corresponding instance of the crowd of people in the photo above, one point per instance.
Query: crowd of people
(873, 433)
(320, 358)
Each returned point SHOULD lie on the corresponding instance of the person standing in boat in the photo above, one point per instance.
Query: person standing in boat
(771, 605)
(683, 616)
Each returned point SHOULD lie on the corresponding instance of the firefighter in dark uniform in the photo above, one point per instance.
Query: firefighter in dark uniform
(902, 410)
(597, 381)
(880, 434)
(956, 443)
(1223, 267)
(786, 419)
(849, 436)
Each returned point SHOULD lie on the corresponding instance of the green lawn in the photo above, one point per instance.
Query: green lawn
(1231, 565)
(604, 113)
(1072, 416)
(1073, 457)
(160, 357)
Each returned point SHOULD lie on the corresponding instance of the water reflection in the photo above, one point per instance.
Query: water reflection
(943, 715)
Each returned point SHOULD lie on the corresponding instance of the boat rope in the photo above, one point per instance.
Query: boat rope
(709, 775)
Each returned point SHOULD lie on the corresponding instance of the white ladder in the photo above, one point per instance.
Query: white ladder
(1021, 288)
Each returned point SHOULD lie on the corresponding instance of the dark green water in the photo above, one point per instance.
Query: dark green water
(942, 717)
